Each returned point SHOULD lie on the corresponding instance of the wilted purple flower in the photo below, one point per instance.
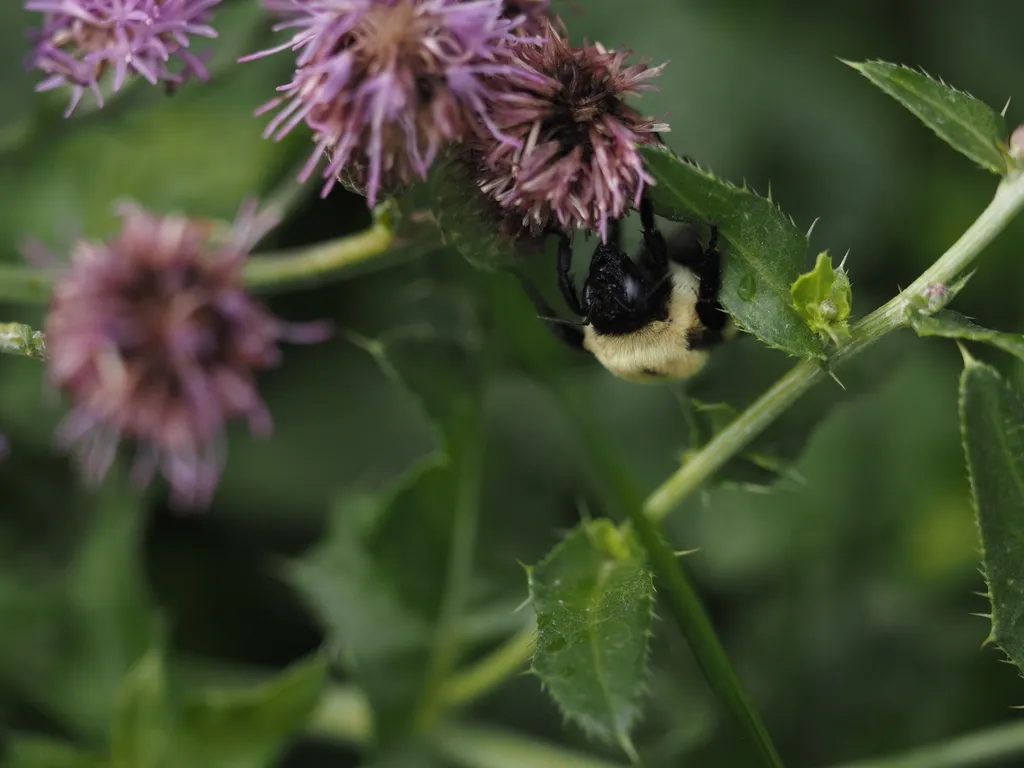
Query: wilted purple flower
(82, 39)
(577, 162)
(385, 84)
(154, 339)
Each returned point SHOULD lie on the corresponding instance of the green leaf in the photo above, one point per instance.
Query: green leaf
(34, 752)
(992, 421)
(469, 221)
(594, 600)
(953, 325)
(390, 577)
(823, 297)
(141, 730)
(965, 123)
(764, 255)
(247, 728)
(69, 643)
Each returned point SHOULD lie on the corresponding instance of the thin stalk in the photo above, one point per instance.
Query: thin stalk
(469, 458)
(990, 746)
(673, 582)
(492, 670)
(1006, 204)
(479, 747)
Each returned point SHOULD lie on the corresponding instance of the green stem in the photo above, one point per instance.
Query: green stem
(283, 271)
(19, 339)
(1006, 204)
(475, 681)
(986, 747)
(673, 583)
(480, 747)
(469, 460)
(271, 273)
(344, 714)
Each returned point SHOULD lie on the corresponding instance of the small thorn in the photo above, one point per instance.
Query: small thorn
(810, 229)
(523, 604)
(685, 552)
(835, 378)
(842, 264)
(1006, 106)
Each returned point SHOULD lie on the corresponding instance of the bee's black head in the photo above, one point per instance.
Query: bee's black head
(619, 297)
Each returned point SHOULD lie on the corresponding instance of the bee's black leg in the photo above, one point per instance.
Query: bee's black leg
(709, 270)
(569, 334)
(565, 279)
(655, 252)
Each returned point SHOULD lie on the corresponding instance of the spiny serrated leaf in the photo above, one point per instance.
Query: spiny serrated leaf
(468, 220)
(246, 728)
(33, 752)
(594, 600)
(992, 420)
(953, 325)
(823, 297)
(764, 254)
(967, 124)
(142, 724)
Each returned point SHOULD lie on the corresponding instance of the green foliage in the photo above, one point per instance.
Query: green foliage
(383, 579)
(71, 640)
(823, 297)
(968, 125)
(32, 752)
(953, 325)
(468, 221)
(246, 728)
(765, 251)
(992, 421)
(142, 724)
(594, 600)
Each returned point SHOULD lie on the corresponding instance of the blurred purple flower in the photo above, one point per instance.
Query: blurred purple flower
(576, 163)
(154, 339)
(385, 84)
(533, 13)
(82, 39)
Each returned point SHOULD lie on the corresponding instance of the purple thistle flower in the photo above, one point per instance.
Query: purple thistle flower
(386, 84)
(532, 13)
(576, 163)
(81, 40)
(154, 339)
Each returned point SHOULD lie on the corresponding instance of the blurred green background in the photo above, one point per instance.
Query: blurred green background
(844, 592)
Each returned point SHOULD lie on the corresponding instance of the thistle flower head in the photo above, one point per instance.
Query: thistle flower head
(385, 84)
(154, 339)
(81, 40)
(532, 13)
(576, 163)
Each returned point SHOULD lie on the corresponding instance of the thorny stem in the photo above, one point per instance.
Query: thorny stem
(19, 339)
(699, 467)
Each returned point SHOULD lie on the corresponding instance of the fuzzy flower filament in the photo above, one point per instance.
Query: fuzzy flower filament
(574, 162)
(386, 84)
(81, 40)
(153, 339)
